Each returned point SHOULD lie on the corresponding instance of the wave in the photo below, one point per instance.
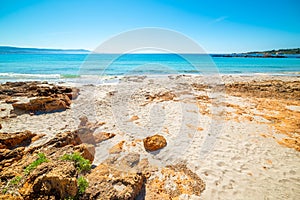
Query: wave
(36, 76)
(29, 76)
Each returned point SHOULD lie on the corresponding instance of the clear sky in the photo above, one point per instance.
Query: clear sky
(218, 26)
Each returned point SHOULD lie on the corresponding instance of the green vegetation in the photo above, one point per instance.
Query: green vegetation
(4, 191)
(15, 180)
(12, 183)
(82, 184)
(80, 163)
(41, 159)
(279, 51)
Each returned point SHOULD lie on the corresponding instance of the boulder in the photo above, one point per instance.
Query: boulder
(155, 142)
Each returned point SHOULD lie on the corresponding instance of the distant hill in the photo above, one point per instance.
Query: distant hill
(280, 53)
(18, 50)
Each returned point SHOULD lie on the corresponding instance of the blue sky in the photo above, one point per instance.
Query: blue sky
(218, 26)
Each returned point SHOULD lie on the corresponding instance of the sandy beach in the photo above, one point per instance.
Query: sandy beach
(239, 134)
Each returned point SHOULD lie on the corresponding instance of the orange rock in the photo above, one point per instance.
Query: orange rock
(133, 118)
(154, 142)
(118, 148)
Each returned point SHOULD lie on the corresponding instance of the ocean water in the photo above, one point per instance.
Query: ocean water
(56, 67)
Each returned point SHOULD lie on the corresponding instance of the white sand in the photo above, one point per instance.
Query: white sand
(232, 157)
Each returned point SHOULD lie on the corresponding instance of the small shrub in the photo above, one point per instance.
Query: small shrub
(82, 185)
(4, 191)
(15, 180)
(81, 163)
(41, 159)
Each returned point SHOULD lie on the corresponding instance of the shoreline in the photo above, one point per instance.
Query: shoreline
(114, 79)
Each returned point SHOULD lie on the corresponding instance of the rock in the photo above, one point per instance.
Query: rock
(161, 96)
(154, 142)
(51, 179)
(37, 137)
(106, 182)
(102, 136)
(86, 150)
(118, 148)
(173, 181)
(133, 118)
(79, 136)
(11, 101)
(35, 89)
(54, 179)
(13, 140)
(7, 157)
(41, 105)
(85, 135)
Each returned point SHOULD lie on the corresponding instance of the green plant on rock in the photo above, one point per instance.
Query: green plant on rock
(15, 180)
(81, 163)
(41, 159)
(4, 190)
(12, 184)
(82, 184)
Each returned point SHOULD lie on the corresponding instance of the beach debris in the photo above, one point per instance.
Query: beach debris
(155, 142)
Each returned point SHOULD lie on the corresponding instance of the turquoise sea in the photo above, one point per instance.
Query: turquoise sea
(56, 67)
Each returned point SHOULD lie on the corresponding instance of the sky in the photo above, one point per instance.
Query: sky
(217, 26)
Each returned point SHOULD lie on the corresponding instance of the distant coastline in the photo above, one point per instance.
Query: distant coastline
(281, 53)
(20, 50)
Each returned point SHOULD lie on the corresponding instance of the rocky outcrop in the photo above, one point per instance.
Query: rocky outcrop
(155, 142)
(51, 179)
(35, 89)
(45, 97)
(43, 105)
(25, 174)
(265, 89)
(53, 171)
(173, 181)
(107, 182)
(13, 140)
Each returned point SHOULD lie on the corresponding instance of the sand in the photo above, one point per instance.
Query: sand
(229, 140)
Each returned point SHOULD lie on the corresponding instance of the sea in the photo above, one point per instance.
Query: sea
(74, 67)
